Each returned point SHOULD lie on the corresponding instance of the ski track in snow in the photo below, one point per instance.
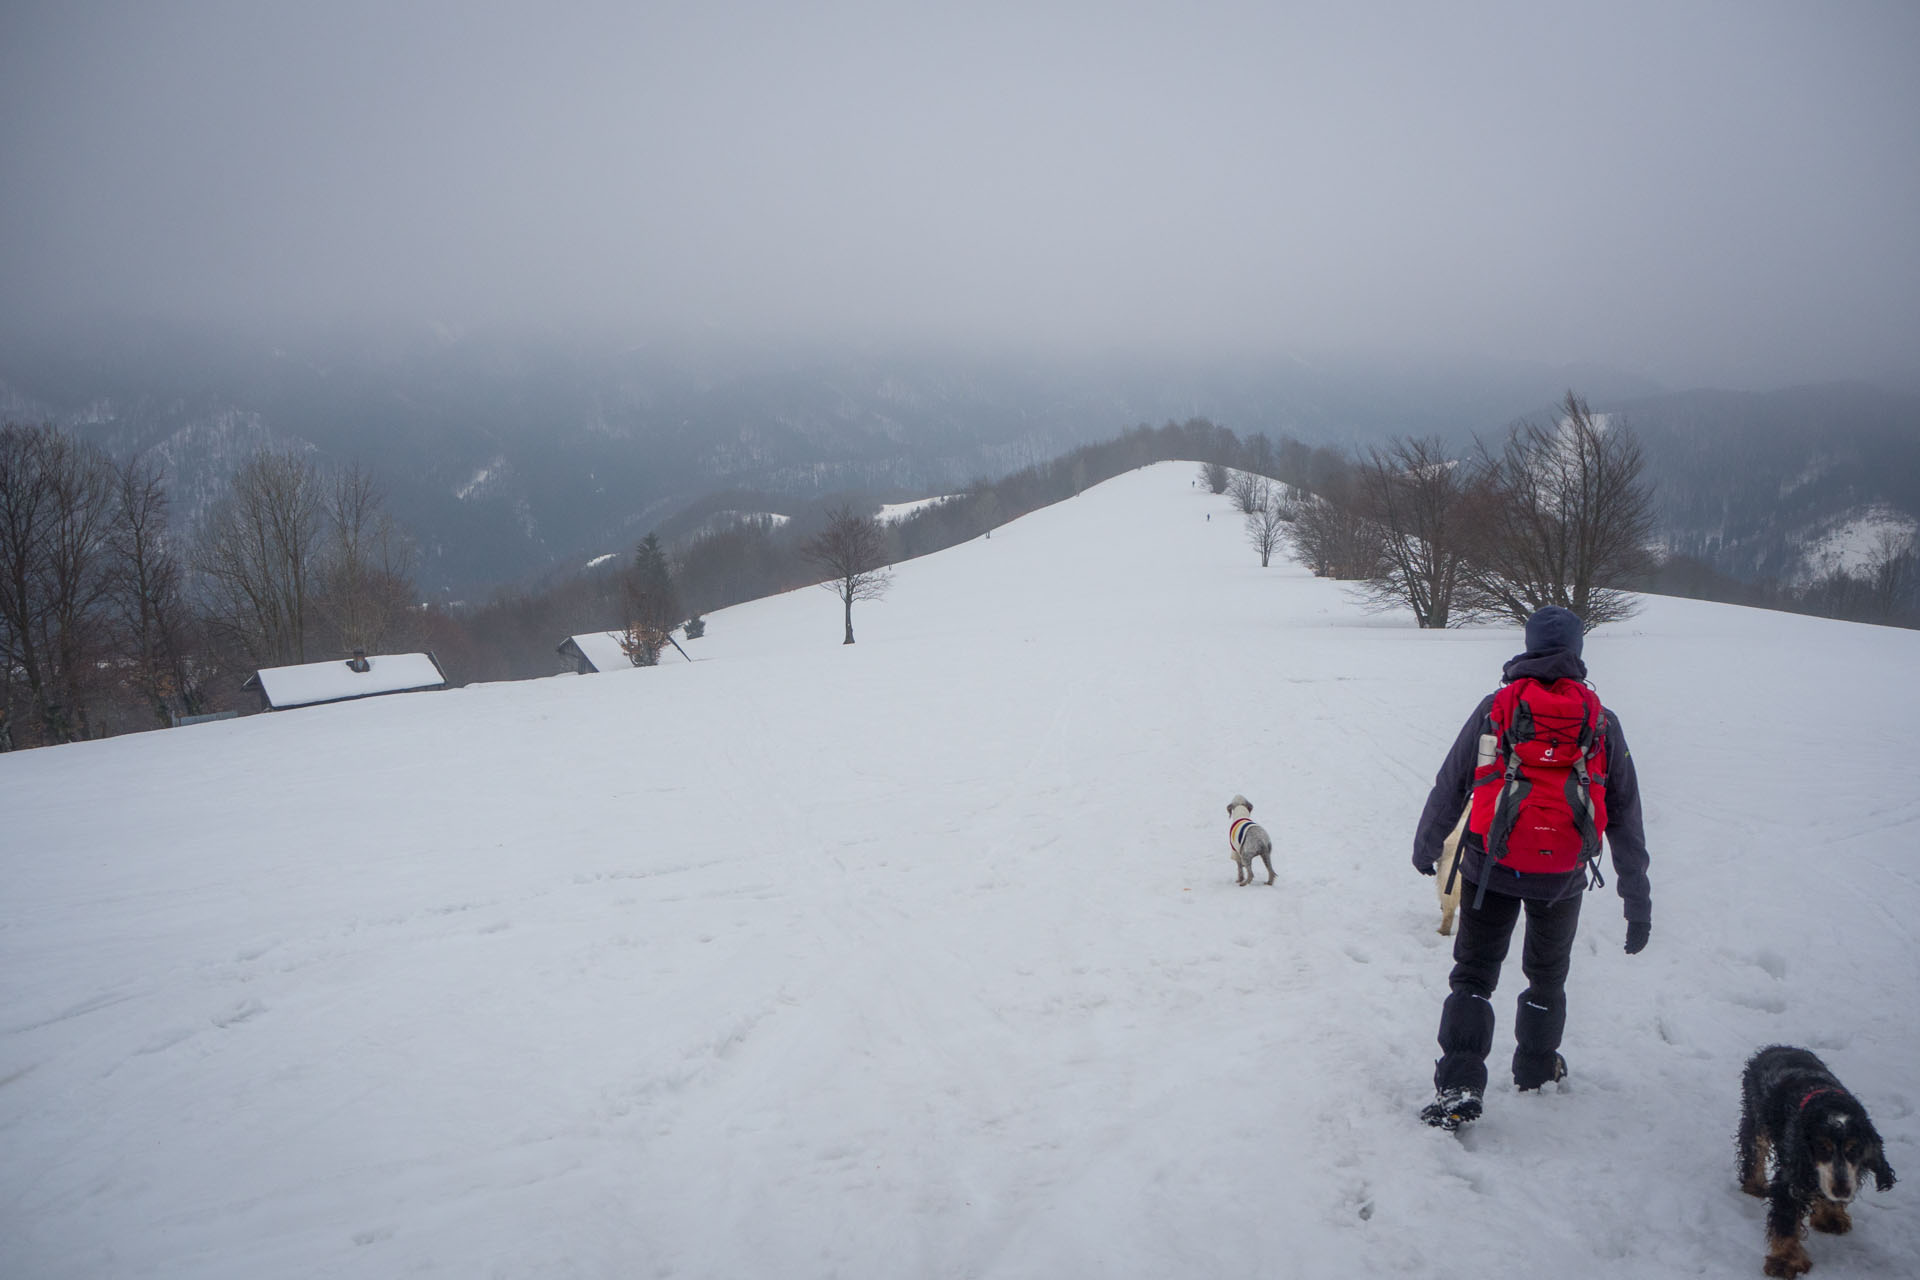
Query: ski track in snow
(924, 956)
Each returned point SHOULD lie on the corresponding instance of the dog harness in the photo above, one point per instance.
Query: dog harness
(1235, 830)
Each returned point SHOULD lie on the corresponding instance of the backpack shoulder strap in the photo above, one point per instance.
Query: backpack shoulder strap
(1594, 731)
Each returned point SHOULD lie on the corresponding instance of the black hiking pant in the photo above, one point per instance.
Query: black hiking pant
(1479, 948)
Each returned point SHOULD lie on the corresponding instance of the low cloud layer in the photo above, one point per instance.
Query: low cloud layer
(1702, 193)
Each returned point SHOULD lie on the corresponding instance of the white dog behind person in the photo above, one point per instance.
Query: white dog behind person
(1547, 772)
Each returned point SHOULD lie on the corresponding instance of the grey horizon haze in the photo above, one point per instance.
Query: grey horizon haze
(1703, 193)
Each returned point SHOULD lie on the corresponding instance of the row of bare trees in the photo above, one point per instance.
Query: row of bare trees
(112, 619)
(1557, 514)
(89, 596)
(298, 563)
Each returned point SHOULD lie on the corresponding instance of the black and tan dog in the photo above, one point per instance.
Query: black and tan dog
(1247, 840)
(1822, 1145)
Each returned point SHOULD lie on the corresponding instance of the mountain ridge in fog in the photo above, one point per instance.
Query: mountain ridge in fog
(514, 455)
(510, 454)
(1751, 482)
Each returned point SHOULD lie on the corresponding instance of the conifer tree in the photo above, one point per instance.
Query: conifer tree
(653, 603)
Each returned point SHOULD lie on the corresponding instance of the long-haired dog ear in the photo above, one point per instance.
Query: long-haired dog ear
(1882, 1172)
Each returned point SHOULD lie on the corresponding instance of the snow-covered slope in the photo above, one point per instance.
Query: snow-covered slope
(923, 956)
(1859, 541)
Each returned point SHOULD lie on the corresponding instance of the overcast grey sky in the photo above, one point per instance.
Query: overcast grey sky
(1705, 192)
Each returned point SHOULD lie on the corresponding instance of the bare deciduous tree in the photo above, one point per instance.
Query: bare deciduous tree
(1260, 455)
(1249, 491)
(986, 508)
(1266, 519)
(146, 591)
(1328, 532)
(1418, 498)
(1892, 570)
(259, 556)
(1215, 476)
(26, 510)
(1562, 516)
(1333, 539)
(56, 515)
(852, 553)
(365, 595)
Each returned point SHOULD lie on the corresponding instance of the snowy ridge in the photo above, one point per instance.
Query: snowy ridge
(922, 956)
(895, 512)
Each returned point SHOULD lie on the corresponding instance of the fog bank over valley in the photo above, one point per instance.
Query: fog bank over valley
(1698, 195)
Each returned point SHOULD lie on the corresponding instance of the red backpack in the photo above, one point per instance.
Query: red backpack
(1540, 789)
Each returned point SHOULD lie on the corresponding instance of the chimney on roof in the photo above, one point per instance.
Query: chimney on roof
(358, 662)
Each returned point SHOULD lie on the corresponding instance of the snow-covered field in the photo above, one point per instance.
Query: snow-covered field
(923, 957)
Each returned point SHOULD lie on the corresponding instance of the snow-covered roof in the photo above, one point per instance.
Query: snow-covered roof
(312, 682)
(602, 650)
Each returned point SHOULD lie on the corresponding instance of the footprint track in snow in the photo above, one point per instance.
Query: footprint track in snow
(245, 1011)
(1761, 1003)
(165, 1040)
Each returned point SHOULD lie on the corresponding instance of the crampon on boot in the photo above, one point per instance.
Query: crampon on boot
(1452, 1108)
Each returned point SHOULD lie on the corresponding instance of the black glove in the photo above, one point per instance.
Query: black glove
(1430, 870)
(1637, 933)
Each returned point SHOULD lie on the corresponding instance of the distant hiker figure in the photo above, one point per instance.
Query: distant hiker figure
(1546, 773)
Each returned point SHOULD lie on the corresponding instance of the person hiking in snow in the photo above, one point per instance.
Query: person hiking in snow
(1546, 772)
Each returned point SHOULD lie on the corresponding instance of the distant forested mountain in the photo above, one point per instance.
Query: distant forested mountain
(511, 457)
(508, 457)
(1780, 485)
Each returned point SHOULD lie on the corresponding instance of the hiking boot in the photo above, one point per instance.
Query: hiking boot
(1452, 1108)
(1559, 1074)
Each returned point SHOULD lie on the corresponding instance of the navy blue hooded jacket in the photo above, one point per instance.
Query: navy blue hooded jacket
(1452, 786)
